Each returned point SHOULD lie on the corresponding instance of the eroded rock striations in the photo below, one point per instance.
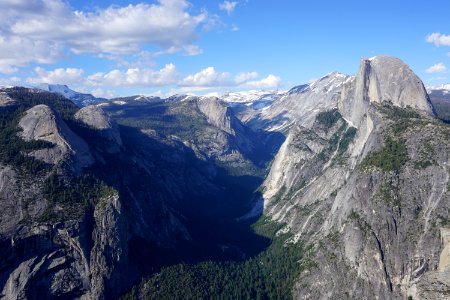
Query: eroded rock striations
(299, 105)
(41, 123)
(361, 180)
(68, 230)
(366, 187)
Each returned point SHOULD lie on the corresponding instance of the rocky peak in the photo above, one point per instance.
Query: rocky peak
(217, 113)
(379, 79)
(302, 103)
(95, 117)
(41, 123)
(79, 99)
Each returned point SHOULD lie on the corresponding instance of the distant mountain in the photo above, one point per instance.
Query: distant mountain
(80, 99)
(335, 189)
(251, 98)
(443, 87)
(300, 104)
(440, 99)
(132, 183)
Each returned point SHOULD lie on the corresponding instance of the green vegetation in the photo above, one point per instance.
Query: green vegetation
(347, 139)
(280, 194)
(334, 142)
(176, 118)
(388, 192)
(68, 197)
(426, 156)
(362, 224)
(269, 275)
(403, 118)
(14, 150)
(391, 157)
(328, 118)
(26, 99)
(443, 221)
(395, 112)
(340, 141)
(73, 195)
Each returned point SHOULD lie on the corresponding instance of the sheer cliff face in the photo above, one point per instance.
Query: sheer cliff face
(372, 201)
(382, 78)
(362, 180)
(41, 123)
(108, 204)
(54, 241)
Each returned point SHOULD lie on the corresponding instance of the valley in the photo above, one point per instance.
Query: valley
(336, 189)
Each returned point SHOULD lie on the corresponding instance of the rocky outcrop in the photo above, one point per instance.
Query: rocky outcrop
(373, 228)
(361, 181)
(379, 79)
(231, 131)
(94, 117)
(41, 123)
(5, 100)
(45, 260)
(70, 232)
(299, 105)
(436, 284)
(79, 99)
(217, 113)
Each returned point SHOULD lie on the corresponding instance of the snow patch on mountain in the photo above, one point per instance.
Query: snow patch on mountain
(251, 96)
(79, 99)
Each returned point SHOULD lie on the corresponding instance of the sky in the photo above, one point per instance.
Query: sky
(114, 48)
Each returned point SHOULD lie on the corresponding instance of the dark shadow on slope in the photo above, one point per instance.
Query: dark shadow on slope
(441, 105)
(157, 178)
(153, 176)
(185, 120)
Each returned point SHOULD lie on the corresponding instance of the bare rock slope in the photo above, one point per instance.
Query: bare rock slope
(366, 188)
(41, 123)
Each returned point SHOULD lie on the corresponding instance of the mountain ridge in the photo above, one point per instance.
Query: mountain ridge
(80, 99)
(349, 172)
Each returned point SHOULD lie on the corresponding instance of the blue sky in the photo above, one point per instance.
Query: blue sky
(116, 48)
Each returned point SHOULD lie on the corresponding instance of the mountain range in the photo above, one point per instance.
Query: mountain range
(335, 189)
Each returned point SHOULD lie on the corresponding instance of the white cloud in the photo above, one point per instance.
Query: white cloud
(192, 50)
(244, 77)
(101, 93)
(213, 22)
(439, 39)
(207, 77)
(189, 90)
(18, 52)
(213, 94)
(270, 81)
(12, 81)
(210, 77)
(437, 68)
(57, 76)
(168, 76)
(135, 77)
(42, 31)
(228, 6)
(8, 69)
